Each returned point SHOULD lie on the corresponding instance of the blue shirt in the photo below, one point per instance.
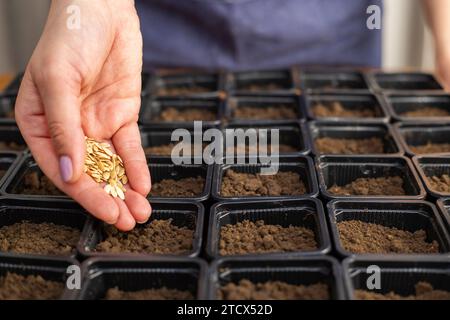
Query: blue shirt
(257, 34)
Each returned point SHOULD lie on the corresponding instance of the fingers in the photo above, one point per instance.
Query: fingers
(60, 98)
(138, 205)
(127, 142)
(126, 221)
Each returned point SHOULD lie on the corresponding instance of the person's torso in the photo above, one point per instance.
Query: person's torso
(257, 34)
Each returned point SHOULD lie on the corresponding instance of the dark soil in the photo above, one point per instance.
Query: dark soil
(382, 186)
(192, 114)
(431, 148)
(337, 109)
(362, 237)
(38, 238)
(236, 184)
(258, 237)
(328, 145)
(265, 113)
(440, 184)
(182, 90)
(148, 294)
(164, 150)
(11, 146)
(426, 112)
(155, 237)
(424, 291)
(255, 87)
(282, 148)
(273, 290)
(2, 173)
(18, 287)
(186, 187)
(34, 184)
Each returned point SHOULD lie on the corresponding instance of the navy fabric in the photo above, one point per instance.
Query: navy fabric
(257, 34)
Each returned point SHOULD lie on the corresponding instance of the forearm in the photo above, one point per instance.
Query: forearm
(438, 14)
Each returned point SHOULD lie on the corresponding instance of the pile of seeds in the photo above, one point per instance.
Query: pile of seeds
(105, 166)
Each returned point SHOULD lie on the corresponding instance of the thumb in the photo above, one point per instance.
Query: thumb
(61, 100)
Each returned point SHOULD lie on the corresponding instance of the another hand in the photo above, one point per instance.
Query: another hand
(87, 82)
(443, 69)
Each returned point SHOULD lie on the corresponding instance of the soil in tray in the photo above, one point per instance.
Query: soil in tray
(337, 109)
(426, 112)
(431, 148)
(11, 146)
(38, 238)
(192, 114)
(236, 184)
(148, 294)
(166, 150)
(34, 184)
(273, 290)
(328, 145)
(18, 287)
(440, 184)
(363, 237)
(265, 113)
(181, 90)
(186, 187)
(382, 186)
(156, 237)
(257, 237)
(282, 148)
(255, 87)
(2, 173)
(423, 291)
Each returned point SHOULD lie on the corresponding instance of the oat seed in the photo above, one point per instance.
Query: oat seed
(102, 165)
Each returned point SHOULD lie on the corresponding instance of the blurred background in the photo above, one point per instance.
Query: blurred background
(406, 40)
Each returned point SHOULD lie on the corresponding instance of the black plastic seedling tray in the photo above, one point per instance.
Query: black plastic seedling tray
(416, 134)
(298, 271)
(349, 100)
(293, 133)
(399, 104)
(319, 129)
(326, 80)
(306, 213)
(54, 269)
(7, 164)
(133, 274)
(413, 81)
(400, 214)
(11, 134)
(302, 165)
(341, 170)
(428, 167)
(183, 214)
(233, 103)
(211, 84)
(65, 213)
(240, 83)
(444, 208)
(7, 102)
(15, 181)
(14, 85)
(163, 168)
(399, 276)
(152, 108)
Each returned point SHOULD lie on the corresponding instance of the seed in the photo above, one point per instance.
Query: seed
(102, 165)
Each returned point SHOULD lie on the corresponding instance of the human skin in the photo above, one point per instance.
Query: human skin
(438, 14)
(87, 82)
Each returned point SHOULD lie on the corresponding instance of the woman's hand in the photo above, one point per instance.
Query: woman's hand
(86, 82)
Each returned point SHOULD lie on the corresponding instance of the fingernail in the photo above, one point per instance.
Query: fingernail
(65, 168)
